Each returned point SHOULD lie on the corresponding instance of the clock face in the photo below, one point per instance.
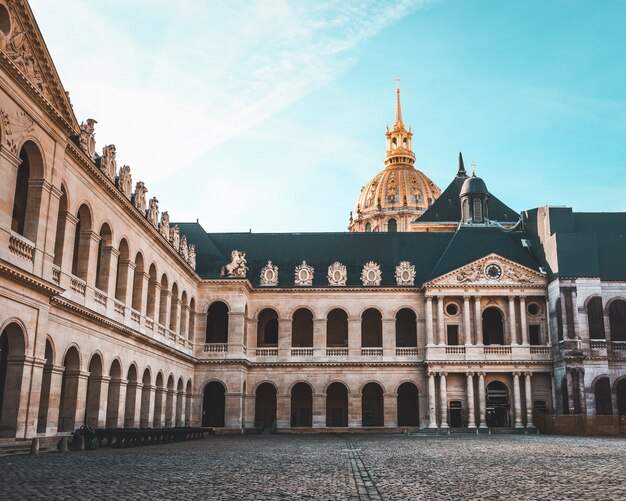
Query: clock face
(493, 272)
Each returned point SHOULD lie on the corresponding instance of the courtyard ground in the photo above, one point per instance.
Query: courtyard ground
(324, 467)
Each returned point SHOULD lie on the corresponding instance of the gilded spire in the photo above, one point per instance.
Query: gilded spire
(399, 147)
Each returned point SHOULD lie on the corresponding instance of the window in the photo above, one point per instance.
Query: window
(534, 332)
(453, 335)
(452, 309)
(596, 318)
(478, 211)
(533, 309)
(392, 226)
(368, 227)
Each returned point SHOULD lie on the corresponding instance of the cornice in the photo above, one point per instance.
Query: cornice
(29, 280)
(250, 364)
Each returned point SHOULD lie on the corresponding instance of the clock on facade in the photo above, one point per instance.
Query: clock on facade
(493, 272)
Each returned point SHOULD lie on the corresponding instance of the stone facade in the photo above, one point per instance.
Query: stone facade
(104, 319)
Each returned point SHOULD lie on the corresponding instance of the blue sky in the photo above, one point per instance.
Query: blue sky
(271, 115)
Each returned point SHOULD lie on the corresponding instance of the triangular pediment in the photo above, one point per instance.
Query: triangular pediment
(24, 51)
(490, 271)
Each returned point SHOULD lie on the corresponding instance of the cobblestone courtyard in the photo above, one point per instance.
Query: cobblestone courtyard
(329, 467)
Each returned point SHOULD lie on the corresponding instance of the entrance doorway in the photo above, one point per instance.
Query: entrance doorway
(497, 405)
(337, 405)
(456, 414)
(265, 406)
(301, 406)
(213, 404)
(372, 402)
(408, 405)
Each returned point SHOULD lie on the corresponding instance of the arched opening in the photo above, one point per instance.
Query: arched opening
(372, 405)
(94, 388)
(188, 404)
(44, 399)
(368, 227)
(184, 313)
(493, 326)
(466, 211)
(12, 351)
(406, 328)
(138, 279)
(59, 239)
(617, 320)
(602, 392)
(113, 396)
(478, 210)
(69, 390)
(169, 403)
(302, 328)
(213, 405)
(408, 405)
(596, 318)
(158, 402)
(192, 319)
(103, 264)
(301, 406)
(175, 300)
(152, 290)
(267, 328)
(265, 406)
(337, 405)
(392, 226)
(497, 405)
(144, 413)
(82, 243)
(371, 328)
(620, 390)
(130, 420)
(163, 300)
(27, 193)
(337, 329)
(180, 399)
(217, 323)
(5, 22)
(123, 265)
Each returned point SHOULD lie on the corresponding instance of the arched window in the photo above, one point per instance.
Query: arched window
(602, 391)
(596, 318)
(163, 301)
(371, 328)
(478, 210)
(152, 289)
(192, 319)
(82, 243)
(59, 241)
(466, 211)
(103, 265)
(617, 320)
(217, 323)
(27, 198)
(169, 403)
(267, 328)
(184, 312)
(406, 328)
(493, 326)
(21, 195)
(302, 328)
(368, 227)
(123, 265)
(392, 226)
(337, 329)
(174, 308)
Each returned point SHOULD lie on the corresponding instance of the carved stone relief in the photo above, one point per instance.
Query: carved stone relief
(237, 267)
(16, 128)
(269, 275)
(153, 212)
(405, 273)
(88, 137)
(192, 256)
(164, 227)
(108, 164)
(304, 274)
(175, 237)
(371, 274)
(139, 197)
(337, 274)
(184, 250)
(125, 181)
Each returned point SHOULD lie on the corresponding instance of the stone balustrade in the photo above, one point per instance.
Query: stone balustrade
(78, 286)
(21, 247)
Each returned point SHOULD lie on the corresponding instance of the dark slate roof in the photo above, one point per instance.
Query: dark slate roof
(447, 208)
(432, 254)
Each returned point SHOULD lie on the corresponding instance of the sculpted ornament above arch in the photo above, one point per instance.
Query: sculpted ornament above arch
(108, 163)
(237, 267)
(405, 273)
(125, 181)
(304, 274)
(15, 128)
(337, 274)
(371, 274)
(269, 275)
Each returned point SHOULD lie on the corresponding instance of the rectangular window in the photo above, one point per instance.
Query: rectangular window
(534, 332)
(453, 335)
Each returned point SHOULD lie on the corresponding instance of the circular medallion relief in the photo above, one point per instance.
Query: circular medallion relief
(372, 275)
(337, 275)
(406, 275)
(304, 275)
(269, 275)
(493, 272)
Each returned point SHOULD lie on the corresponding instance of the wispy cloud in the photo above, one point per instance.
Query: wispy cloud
(168, 81)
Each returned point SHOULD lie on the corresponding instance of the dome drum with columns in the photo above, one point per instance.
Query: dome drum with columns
(399, 194)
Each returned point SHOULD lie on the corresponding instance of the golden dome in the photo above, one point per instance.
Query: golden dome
(399, 194)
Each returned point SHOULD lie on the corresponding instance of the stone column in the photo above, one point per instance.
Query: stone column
(137, 407)
(319, 410)
(283, 411)
(354, 339)
(518, 401)
(284, 337)
(157, 303)
(443, 399)
(182, 397)
(471, 423)
(54, 399)
(576, 333)
(389, 337)
(478, 319)
(432, 402)
(512, 324)
(482, 401)
(82, 378)
(548, 339)
(121, 404)
(441, 334)
(355, 405)
(100, 387)
(160, 403)
(581, 389)
(529, 401)
(184, 320)
(390, 405)
(148, 394)
(467, 326)
(429, 321)
(522, 311)
(319, 338)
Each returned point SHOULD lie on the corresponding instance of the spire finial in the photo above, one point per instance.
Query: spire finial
(473, 169)
(461, 172)
(398, 108)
